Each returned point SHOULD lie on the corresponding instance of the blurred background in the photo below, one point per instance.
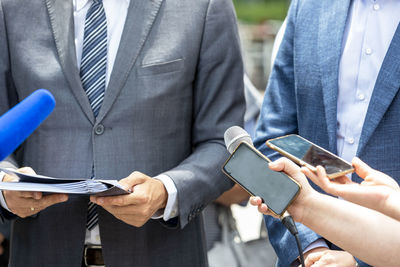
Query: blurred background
(259, 22)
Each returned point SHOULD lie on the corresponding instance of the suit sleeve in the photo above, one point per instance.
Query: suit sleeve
(218, 103)
(279, 117)
(6, 87)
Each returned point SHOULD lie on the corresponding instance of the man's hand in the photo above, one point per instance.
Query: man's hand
(329, 258)
(24, 204)
(148, 196)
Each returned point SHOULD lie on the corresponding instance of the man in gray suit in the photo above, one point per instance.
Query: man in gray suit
(140, 85)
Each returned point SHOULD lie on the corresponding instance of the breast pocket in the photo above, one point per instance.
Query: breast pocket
(160, 67)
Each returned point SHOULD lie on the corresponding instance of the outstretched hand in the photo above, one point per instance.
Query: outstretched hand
(374, 192)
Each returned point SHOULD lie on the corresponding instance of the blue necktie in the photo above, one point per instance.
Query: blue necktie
(93, 71)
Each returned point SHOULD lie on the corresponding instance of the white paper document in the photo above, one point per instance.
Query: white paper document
(45, 184)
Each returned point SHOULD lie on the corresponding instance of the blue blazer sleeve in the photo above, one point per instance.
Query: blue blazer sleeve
(279, 117)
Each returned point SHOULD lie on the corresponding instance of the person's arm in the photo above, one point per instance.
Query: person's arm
(235, 195)
(378, 191)
(365, 233)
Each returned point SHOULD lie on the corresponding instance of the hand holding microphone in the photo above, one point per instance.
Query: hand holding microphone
(250, 169)
(15, 126)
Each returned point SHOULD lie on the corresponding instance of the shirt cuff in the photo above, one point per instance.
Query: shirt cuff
(171, 209)
(319, 243)
(2, 199)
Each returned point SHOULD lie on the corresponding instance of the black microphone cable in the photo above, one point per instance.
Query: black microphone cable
(289, 223)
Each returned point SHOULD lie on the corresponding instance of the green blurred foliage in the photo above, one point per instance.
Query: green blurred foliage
(257, 11)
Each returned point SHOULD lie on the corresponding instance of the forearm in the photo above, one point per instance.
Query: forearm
(235, 195)
(365, 233)
(391, 206)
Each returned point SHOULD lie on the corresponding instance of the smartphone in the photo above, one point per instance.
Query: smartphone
(249, 168)
(307, 154)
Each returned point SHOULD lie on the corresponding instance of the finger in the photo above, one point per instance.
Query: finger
(50, 200)
(285, 165)
(263, 208)
(318, 178)
(27, 170)
(10, 178)
(133, 179)
(361, 168)
(342, 180)
(372, 175)
(310, 174)
(122, 200)
(255, 201)
(28, 194)
(313, 257)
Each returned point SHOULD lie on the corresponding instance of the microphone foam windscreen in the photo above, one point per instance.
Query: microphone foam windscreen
(20, 121)
(234, 136)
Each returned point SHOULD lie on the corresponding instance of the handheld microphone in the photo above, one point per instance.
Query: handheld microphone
(20, 121)
(233, 137)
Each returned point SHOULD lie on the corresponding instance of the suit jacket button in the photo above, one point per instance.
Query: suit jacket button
(99, 130)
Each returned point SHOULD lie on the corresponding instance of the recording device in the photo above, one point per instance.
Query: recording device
(20, 121)
(307, 154)
(249, 168)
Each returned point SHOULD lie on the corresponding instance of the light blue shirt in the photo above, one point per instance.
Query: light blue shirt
(369, 31)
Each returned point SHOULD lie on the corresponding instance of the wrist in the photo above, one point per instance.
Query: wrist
(300, 208)
(163, 194)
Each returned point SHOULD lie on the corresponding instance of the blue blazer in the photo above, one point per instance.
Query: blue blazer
(301, 98)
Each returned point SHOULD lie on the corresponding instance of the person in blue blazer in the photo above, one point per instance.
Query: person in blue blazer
(335, 81)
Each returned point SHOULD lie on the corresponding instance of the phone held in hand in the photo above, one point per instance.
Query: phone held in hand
(249, 168)
(307, 154)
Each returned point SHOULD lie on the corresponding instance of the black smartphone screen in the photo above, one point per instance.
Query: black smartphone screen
(250, 170)
(311, 154)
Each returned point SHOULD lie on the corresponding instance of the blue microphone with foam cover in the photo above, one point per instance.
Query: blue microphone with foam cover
(20, 121)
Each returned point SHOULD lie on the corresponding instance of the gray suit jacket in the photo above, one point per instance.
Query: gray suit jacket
(177, 84)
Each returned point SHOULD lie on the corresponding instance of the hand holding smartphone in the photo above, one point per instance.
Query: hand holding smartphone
(307, 154)
(249, 168)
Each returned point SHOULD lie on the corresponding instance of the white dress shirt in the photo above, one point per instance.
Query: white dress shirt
(370, 27)
(116, 12)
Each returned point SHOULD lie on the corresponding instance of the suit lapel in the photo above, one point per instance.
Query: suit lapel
(139, 20)
(62, 23)
(386, 87)
(330, 35)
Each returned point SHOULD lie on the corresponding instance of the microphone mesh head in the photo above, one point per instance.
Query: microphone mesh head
(234, 136)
